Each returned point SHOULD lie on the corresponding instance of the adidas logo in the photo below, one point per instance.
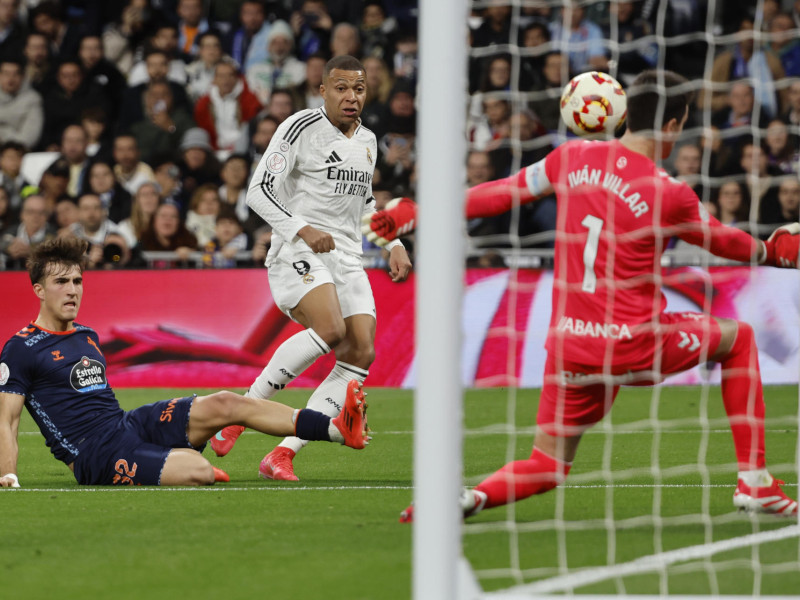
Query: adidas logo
(333, 158)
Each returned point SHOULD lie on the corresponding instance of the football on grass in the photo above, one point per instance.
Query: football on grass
(593, 104)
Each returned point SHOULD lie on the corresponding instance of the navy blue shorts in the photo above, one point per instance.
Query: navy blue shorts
(134, 452)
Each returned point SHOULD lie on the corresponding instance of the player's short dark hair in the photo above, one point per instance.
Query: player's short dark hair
(345, 62)
(646, 109)
(62, 252)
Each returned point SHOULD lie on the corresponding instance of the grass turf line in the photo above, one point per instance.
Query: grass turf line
(324, 542)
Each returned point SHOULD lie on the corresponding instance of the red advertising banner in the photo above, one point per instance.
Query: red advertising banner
(218, 328)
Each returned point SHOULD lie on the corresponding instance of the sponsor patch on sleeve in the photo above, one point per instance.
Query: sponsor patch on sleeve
(276, 163)
(5, 373)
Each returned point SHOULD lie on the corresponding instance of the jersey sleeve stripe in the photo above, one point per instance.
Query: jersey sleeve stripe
(293, 137)
(299, 122)
(267, 187)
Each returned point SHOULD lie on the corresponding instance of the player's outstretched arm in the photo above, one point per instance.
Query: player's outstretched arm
(10, 411)
(485, 200)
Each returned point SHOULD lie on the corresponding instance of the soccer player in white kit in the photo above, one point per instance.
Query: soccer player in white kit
(313, 185)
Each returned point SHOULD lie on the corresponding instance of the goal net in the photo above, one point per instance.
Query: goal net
(647, 507)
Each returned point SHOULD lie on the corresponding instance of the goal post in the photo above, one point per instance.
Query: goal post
(438, 427)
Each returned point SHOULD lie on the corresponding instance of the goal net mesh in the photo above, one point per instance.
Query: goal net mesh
(647, 507)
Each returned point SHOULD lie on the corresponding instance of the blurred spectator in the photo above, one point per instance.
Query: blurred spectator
(312, 26)
(166, 232)
(307, 94)
(65, 101)
(345, 40)
(191, 23)
(107, 246)
(198, 164)
(53, 183)
(397, 148)
(115, 199)
(738, 116)
(492, 126)
(95, 124)
(73, 149)
(480, 170)
(525, 128)
(201, 219)
(723, 160)
(65, 215)
(744, 61)
(226, 109)
(281, 105)
(279, 69)
(156, 63)
(129, 170)
(733, 204)
(247, 44)
(405, 61)
(11, 178)
(495, 27)
(102, 73)
(228, 240)
(235, 176)
(379, 86)
(533, 38)
(63, 36)
(12, 32)
(785, 43)
(376, 30)
(688, 163)
(37, 61)
(120, 39)
(781, 149)
(165, 39)
(263, 128)
(683, 17)
(631, 29)
(789, 201)
(8, 216)
(548, 94)
(168, 178)
(761, 182)
(163, 126)
(200, 73)
(791, 116)
(21, 111)
(17, 241)
(495, 77)
(145, 202)
(585, 48)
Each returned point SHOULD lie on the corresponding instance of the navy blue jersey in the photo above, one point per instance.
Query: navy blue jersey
(63, 379)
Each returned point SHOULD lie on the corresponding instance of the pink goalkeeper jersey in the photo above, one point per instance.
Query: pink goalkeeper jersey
(616, 212)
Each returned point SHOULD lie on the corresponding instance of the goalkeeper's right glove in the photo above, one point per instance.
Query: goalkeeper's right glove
(398, 218)
(782, 247)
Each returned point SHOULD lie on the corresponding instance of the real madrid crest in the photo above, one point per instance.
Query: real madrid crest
(369, 156)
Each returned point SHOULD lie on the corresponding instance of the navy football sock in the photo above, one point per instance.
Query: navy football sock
(312, 425)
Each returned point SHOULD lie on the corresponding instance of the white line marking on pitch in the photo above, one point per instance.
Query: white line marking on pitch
(653, 562)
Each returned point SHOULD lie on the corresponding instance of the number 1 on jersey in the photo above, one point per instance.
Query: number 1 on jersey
(594, 225)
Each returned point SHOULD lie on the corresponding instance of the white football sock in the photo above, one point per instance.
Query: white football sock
(291, 358)
(329, 397)
(756, 478)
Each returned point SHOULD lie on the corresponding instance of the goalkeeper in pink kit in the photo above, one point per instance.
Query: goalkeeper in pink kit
(616, 212)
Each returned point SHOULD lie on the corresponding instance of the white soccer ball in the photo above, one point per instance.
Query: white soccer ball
(593, 104)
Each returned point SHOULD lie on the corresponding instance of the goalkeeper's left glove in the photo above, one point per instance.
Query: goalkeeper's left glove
(782, 247)
(398, 218)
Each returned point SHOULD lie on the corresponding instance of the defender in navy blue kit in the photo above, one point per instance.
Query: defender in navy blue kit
(56, 369)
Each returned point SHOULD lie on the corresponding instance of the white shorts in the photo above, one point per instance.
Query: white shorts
(296, 270)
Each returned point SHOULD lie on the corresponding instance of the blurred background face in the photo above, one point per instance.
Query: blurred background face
(90, 52)
(158, 94)
(279, 47)
(166, 220)
(687, 161)
(741, 99)
(194, 158)
(36, 50)
(345, 40)
(34, 213)
(225, 78)
(10, 78)
(226, 230)
(210, 50)
(69, 77)
(147, 198)
(157, 67)
(235, 173)
(208, 204)
(730, 197)
(191, 11)
(66, 213)
(789, 195)
(754, 161)
(8, 11)
(315, 68)
(263, 135)
(73, 144)
(11, 162)
(479, 168)
(126, 154)
(90, 212)
(499, 73)
(252, 16)
(101, 178)
(280, 106)
(777, 136)
(166, 39)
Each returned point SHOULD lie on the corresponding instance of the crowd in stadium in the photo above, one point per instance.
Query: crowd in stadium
(139, 122)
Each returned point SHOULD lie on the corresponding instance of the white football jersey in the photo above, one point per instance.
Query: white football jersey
(312, 174)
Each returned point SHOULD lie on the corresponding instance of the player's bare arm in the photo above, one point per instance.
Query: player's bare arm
(318, 241)
(10, 411)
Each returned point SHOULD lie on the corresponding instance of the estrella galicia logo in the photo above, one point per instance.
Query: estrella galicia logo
(88, 375)
(302, 267)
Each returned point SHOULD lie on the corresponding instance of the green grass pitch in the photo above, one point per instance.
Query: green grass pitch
(335, 534)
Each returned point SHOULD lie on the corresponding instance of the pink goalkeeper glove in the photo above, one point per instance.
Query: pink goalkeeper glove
(782, 247)
(398, 218)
